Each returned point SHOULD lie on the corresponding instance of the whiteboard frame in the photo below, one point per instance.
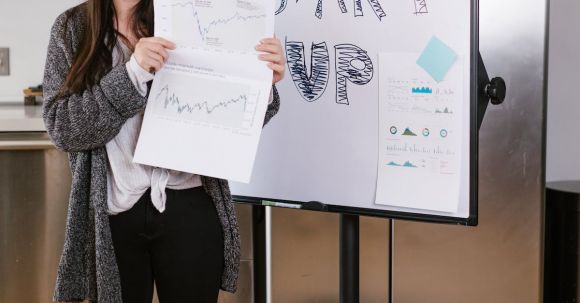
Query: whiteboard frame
(475, 95)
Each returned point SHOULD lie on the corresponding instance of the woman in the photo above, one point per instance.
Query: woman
(130, 225)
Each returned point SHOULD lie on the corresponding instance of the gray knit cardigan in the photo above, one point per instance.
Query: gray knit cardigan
(82, 124)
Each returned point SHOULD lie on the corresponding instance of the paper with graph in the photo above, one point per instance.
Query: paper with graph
(206, 107)
(420, 126)
(223, 24)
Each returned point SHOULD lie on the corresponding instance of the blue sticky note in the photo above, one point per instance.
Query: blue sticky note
(437, 59)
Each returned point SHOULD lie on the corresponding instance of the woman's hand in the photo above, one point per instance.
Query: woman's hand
(151, 53)
(274, 56)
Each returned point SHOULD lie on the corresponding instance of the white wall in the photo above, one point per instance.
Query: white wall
(563, 154)
(25, 27)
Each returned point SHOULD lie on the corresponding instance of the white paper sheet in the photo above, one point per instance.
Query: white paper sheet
(207, 105)
(420, 135)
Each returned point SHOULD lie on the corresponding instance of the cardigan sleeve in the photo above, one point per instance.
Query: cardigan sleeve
(91, 118)
(273, 106)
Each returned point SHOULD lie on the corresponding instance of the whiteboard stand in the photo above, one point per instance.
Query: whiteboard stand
(391, 259)
(259, 253)
(489, 91)
(492, 91)
(349, 258)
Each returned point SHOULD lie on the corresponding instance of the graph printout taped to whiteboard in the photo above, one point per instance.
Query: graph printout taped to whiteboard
(206, 106)
(420, 135)
(323, 145)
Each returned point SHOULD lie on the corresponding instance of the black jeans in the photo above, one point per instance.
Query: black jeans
(181, 249)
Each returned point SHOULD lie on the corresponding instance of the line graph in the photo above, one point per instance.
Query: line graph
(204, 29)
(212, 24)
(171, 99)
(216, 102)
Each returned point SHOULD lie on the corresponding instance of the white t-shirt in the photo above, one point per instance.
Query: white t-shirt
(128, 181)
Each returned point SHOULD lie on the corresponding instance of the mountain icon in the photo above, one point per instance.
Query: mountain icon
(408, 132)
(445, 111)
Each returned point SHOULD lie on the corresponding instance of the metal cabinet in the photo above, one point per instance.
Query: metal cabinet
(35, 184)
(34, 191)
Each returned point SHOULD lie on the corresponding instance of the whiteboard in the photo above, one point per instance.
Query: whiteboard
(323, 143)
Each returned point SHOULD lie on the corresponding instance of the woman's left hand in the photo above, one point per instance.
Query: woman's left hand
(274, 56)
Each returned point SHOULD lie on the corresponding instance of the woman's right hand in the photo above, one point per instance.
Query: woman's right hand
(151, 53)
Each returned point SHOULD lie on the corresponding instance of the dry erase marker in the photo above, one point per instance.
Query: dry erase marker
(278, 204)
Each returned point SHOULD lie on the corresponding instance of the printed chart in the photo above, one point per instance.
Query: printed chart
(202, 122)
(232, 25)
(207, 105)
(215, 102)
(420, 142)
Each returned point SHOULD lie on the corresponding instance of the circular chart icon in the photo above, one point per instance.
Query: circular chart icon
(443, 133)
(394, 130)
(426, 132)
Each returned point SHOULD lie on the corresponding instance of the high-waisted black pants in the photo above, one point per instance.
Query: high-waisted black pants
(180, 250)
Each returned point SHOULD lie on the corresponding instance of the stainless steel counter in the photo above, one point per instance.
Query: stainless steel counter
(19, 118)
(34, 188)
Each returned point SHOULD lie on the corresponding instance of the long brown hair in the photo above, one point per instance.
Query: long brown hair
(93, 58)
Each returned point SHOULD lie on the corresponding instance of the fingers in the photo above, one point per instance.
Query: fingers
(156, 58)
(270, 41)
(273, 50)
(154, 66)
(269, 48)
(160, 50)
(151, 62)
(270, 45)
(274, 58)
(274, 55)
(151, 53)
(156, 45)
(163, 42)
(279, 68)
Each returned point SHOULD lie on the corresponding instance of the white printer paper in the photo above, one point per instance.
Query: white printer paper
(420, 135)
(206, 107)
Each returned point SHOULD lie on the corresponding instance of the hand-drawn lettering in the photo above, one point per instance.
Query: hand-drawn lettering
(358, 8)
(310, 86)
(318, 12)
(354, 65)
(282, 7)
(421, 7)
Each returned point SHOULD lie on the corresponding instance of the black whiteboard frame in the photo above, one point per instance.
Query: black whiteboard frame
(476, 97)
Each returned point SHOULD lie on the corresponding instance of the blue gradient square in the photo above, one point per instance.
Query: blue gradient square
(437, 59)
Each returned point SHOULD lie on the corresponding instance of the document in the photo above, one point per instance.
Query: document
(420, 135)
(206, 106)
